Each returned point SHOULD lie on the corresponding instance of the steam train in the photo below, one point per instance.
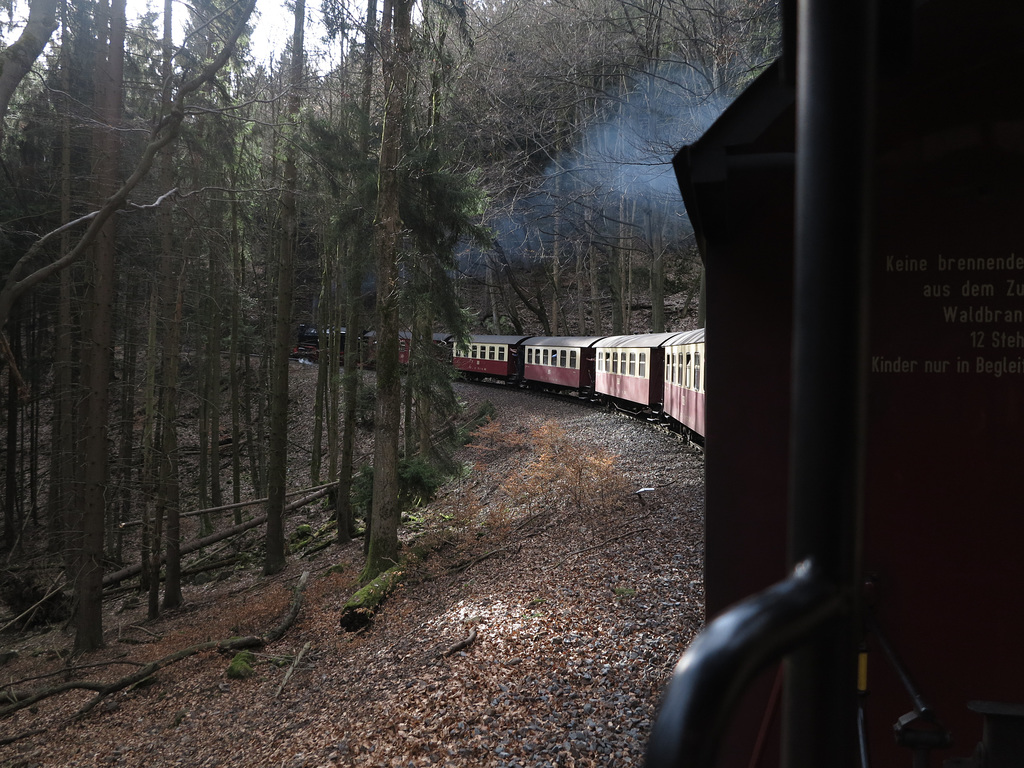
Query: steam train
(659, 375)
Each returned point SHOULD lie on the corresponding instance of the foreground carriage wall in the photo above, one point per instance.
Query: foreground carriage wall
(943, 521)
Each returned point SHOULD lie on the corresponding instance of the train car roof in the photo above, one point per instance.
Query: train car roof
(640, 340)
(562, 341)
(485, 339)
(686, 337)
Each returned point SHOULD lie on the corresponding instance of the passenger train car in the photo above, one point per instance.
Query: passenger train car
(490, 357)
(560, 363)
(684, 381)
(656, 374)
(659, 375)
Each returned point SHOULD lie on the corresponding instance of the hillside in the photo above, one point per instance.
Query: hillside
(575, 600)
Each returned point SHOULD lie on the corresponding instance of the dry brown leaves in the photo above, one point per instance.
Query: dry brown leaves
(581, 597)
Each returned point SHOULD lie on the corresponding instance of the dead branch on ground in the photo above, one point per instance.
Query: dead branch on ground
(22, 700)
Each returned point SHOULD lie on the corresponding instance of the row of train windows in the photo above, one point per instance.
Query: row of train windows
(623, 363)
(683, 370)
(562, 358)
(483, 352)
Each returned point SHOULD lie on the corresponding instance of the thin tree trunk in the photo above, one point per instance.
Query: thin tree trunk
(350, 386)
(336, 322)
(99, 342)
(233, 356)
(326, 337)
(11, 483)
(278, 468)
(170, 493)
(147, 479)
(62, 430)
(383, 539)
(126, 447)
(657, 231)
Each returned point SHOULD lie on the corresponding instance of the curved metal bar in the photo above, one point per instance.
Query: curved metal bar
(723, 659)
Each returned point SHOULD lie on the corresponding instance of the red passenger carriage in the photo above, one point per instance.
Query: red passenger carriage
(630, 369)
(685, 363)
(490, 357)
(560, 362)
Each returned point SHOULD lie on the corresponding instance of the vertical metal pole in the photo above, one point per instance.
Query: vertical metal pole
(835, 62)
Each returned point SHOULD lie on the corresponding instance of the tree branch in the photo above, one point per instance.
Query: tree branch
(163, 134)
(102, 689)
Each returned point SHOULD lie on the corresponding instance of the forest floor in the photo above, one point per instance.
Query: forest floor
(572, 594)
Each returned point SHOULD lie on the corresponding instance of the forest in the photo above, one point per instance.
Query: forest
(173, 209)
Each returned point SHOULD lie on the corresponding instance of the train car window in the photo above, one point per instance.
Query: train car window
(490, 353)
(632, 363)
(474, 351)
(696, 371)
(689, 366)
(562, 357)
(642, 371)
(572, 358)
(501, 354)
(615, 362)
(529, 355)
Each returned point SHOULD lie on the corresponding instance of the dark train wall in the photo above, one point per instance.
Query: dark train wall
(944, 494)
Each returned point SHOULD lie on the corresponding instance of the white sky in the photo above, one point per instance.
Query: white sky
(273, 25)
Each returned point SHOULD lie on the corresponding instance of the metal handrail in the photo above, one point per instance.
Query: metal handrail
(725, 657)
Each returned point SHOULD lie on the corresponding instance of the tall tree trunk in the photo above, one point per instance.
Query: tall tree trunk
(169, 495)
(62, 431)
(233, 355)
(353, 279)
(395, 44)
(11, 484)
(172, 272)
(492, 276)
(350, 387)
(423, 348)
(216, 332)
(147, 478)
(126, 445)
(336, 321)
(656, 228)
(99, 341)
(327, 332)
(278, 465)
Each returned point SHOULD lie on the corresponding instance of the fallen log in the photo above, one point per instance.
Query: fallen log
(188, 548)
(359, 611)
(22, 700)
